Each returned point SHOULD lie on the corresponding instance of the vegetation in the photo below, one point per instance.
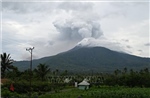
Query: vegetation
(46, 83)
(6, 64)
(93, 92)
(42, 71)
(131, 79)
(102, 92)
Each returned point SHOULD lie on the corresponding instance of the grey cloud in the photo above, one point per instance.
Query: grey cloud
(51, 42)
(80, 6)
(147, 44)
(140, 50)
(80, 10)
(78, 29)
(128, 4)
(28, 7)
(125, 40)
(128, 46)
(18, 7)
(112, 14)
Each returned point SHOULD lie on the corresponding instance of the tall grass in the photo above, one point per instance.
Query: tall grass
(102, 92)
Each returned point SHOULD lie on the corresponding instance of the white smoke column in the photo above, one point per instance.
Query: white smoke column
(77, 29)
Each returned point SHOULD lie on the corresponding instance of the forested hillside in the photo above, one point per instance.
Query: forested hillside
(87, 59)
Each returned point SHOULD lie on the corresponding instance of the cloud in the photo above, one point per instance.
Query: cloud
(128, 46)
(17, 7)
(28, 7)
(147, 44)
(76, 6)
(125, 40)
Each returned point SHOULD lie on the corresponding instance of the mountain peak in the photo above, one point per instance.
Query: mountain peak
(101, 42)
(88, 42)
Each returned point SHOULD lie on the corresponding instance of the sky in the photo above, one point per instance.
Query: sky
(53, 27)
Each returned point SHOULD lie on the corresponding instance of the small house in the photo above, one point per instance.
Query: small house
(84, 85)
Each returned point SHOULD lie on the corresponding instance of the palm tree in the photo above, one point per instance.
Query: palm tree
(42, 70)
(57, 71)
(6, 63)
(125, 70)
(146, 70)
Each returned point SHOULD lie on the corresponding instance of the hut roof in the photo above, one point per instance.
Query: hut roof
(84, 83)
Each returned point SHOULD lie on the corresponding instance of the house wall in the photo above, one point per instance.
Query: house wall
(83, 87)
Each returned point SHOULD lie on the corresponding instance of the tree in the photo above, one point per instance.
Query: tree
(146, 70)
(41, 71)
(6, 63)
(125, 70)
(14, 74)
(116, 72)
(57, 71)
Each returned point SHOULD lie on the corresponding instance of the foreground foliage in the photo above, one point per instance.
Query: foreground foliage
(93, 92)
(102, 92)
(6, 63)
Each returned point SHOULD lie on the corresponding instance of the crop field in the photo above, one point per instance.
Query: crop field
(101, 92)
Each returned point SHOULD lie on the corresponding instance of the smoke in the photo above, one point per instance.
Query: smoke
(103, 42)
(77, 29)
(82, 26)
(78, 21)
(85, 33)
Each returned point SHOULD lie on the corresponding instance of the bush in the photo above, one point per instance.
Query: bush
(23, 87)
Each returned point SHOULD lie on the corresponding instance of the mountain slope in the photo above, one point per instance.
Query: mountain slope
(85, 59)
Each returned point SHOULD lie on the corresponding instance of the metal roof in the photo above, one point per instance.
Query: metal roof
(84, 83)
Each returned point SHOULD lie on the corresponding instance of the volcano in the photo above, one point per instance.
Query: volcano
(87, 59)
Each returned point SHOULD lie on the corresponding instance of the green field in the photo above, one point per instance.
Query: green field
(101, 92)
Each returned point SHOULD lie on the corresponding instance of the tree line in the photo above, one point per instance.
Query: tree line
(129, 78)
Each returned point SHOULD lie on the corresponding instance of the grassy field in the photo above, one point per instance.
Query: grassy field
(101, 92)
